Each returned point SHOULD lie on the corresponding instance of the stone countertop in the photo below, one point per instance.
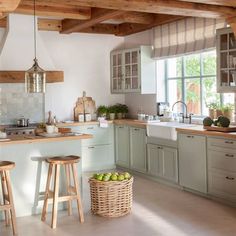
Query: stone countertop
(24, 139)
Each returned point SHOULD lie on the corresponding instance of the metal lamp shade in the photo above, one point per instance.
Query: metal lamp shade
(35, 79)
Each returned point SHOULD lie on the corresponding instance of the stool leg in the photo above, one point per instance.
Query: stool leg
(45, 204)
(4, 192)
(68, 183)
(76, 182)
(11, 202)
(55, 196)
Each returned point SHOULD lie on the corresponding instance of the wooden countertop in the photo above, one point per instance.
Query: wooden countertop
(18, 139)
(198, 130)
(130, 122)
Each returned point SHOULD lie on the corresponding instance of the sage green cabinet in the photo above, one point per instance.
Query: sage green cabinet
(122, 145)
(138, 149)
(163, 162)
(192, 162)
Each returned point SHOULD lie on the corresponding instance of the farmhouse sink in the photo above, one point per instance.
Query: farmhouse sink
(165, 130)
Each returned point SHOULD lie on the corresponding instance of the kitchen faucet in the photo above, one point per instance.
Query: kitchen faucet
(186, 112)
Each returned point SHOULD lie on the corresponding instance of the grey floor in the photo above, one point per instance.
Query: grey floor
(157, 210)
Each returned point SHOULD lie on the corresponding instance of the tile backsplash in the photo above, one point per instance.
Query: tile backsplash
(16, 103)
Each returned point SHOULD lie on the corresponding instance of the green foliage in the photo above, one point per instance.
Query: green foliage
(102, 109)
(227, 107)
(121, 108)
(112, 109)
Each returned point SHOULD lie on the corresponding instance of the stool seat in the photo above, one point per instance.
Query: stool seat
(63, 160)
(6, 165)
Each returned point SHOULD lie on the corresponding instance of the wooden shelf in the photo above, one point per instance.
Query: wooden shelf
(19, 76)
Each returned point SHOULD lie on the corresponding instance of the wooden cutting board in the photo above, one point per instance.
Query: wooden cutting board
(84, 105)
(220, 129)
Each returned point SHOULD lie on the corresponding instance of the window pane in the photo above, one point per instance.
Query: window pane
(174, 66)
(228, 98)
(209, 63)
(175, 93)
(192, 95)
(209, 93)
(192, 65)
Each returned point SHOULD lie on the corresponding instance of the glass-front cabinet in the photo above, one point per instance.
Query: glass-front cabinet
(226, 60)
(133, 70)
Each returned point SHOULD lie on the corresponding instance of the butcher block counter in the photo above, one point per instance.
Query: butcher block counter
(27, 139)
(199, 130)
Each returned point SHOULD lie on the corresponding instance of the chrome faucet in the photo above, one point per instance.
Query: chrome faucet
(186, 112)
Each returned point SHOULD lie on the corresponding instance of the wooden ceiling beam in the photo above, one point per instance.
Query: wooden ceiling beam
(72, 12)
(231, 3)
(98, 16)
(3, 22)
(232, 22)
(171, 7)
(136, 17)
(56, 25)
(126, 29)
(8, 5)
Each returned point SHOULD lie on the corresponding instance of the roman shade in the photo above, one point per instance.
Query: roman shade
(185, 36)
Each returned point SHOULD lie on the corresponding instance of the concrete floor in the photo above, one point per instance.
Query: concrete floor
(157, 210)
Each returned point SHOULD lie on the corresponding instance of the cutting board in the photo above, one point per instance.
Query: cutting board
(84, 105)
(220, 129)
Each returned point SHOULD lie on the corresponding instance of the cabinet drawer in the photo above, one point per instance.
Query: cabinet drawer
(101, 136)
(97, 158)
(223, 184)
(215, 143)
(222, 160)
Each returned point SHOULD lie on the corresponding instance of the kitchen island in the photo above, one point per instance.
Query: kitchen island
(29, 176)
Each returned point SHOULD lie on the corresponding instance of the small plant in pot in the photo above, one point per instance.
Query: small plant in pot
(112, 112)
(212, 109)
(102, 111)
(122, 109)
(228, 111)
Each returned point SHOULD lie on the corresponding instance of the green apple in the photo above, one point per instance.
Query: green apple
(127, 175)
(95, 176)
(99, 177)
(114, 177)
(121, 177)
(106, 178)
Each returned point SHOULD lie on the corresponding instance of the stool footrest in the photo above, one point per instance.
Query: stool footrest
(63, 198)
(5, 207)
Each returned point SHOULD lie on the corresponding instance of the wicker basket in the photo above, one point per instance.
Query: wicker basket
(112, 198)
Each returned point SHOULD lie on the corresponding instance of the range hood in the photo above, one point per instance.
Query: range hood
(17, 46)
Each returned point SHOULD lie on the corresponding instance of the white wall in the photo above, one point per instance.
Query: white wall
(137, 102)
(84, 58)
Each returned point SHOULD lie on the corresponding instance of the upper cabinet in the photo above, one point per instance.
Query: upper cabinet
(226, 60)
(133, 70)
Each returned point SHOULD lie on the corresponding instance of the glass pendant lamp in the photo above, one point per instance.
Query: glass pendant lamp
(35, 77)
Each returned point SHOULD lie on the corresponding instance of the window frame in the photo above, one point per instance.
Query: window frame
(183, 78)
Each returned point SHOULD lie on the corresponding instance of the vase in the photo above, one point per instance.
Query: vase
(112, 116)
(228, 114)
(119, 116)
(212, 113)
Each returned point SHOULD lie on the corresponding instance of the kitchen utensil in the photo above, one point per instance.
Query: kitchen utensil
(23, 122)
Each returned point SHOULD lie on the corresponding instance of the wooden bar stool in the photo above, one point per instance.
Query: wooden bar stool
(8, 203)
(73, 192)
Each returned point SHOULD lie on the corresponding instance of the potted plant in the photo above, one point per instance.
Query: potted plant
(212, 109)
(121, 110)
(112, 112)
(228, 111)
(102, 111)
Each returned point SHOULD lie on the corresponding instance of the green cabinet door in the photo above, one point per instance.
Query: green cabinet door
(138, 149)
(122, 145)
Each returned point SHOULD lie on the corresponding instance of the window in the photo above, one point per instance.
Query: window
(192, 79)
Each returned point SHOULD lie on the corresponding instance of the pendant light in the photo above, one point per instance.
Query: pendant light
(35, 77)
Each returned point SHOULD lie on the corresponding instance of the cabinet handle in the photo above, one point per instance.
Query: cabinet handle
(90, 128)
(121, 127)
(190, 136)
(229, 178)
(229, 142)
(160, 147)
(91, 147)
(229, 155)
(136, 129)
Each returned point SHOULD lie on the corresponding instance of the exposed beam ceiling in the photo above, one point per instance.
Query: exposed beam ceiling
(230, 3)
(98, 16)
(172, 7)
(8, 5)
(3, 22)
(59, 10)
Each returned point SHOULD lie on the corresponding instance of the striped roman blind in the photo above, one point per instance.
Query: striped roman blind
(185, 36)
